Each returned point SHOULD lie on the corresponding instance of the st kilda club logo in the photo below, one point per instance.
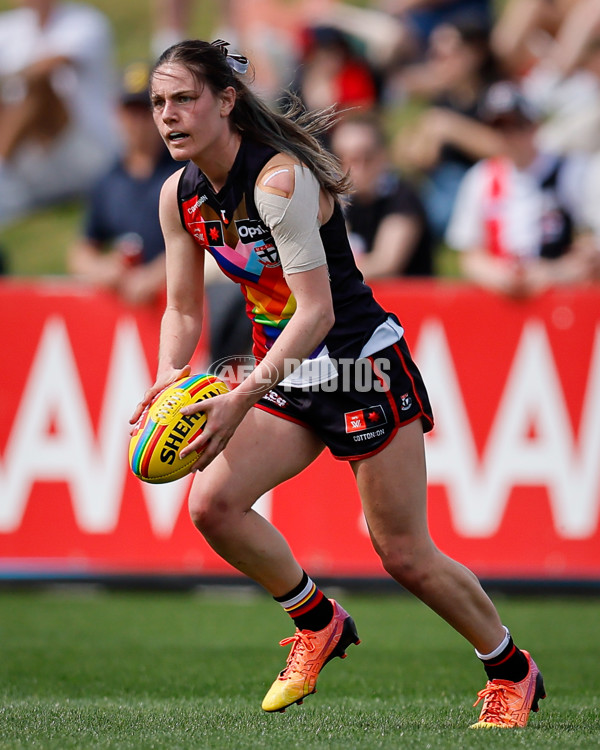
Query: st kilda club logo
(267, 254)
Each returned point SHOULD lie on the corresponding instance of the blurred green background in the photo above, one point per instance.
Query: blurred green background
(36, 245)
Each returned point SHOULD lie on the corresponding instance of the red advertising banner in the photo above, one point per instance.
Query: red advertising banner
(514, 459)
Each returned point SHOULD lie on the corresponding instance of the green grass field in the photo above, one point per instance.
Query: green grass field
(142, 670)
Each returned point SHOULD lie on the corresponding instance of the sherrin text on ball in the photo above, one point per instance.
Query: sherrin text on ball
(162, 431)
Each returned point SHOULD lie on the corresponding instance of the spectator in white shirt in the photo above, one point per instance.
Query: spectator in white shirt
(517, 220)
(57, 103)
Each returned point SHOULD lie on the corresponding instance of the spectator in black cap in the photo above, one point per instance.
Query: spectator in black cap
(121, 246)
(517, 219)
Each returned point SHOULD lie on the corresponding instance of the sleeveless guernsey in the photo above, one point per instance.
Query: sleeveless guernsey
(227, 225)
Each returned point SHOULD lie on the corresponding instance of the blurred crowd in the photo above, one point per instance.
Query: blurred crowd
(468, 126)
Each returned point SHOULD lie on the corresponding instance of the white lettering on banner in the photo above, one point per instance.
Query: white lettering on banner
(264, 505)
(584, 479)
(93, 468)
(478, 490)
(164, 502)
(532, 441)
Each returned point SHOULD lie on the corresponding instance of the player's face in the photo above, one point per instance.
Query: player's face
(189, 117)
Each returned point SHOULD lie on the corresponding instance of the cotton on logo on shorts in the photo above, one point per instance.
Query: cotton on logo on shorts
(364, 419)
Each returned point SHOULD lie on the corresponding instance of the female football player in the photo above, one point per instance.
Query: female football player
(262, 196)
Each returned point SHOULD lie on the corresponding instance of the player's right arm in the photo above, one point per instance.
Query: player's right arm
(182, 320)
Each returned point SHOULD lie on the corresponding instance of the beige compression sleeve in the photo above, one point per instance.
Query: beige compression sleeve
(294, 222)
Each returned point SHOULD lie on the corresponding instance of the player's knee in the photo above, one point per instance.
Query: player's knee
(210, 512)
(406, 563)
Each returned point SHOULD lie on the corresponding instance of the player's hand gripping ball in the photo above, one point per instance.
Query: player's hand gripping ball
(162, 431)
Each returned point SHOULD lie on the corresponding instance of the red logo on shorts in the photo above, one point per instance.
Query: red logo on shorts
(364, 419)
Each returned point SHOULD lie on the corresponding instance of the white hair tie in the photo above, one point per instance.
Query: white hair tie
(238, 63)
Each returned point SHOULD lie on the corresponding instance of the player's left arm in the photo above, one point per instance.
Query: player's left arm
(293, 206)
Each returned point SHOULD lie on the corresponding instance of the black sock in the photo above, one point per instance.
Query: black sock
(511, 664)
(307, 605)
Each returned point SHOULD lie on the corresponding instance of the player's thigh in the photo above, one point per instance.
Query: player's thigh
(393, 487)
(264, 451)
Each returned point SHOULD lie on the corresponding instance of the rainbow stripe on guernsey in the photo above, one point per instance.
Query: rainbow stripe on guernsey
(269, 301)
(158, 417)
(245, 251)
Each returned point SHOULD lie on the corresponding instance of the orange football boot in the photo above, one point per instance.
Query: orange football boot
(508, 704)
(311, 650)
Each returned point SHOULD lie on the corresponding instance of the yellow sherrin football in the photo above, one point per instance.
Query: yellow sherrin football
(162, 431)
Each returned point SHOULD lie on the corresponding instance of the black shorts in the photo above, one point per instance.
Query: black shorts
(359, 412)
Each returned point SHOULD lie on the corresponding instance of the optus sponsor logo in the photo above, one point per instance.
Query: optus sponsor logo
(250, 230)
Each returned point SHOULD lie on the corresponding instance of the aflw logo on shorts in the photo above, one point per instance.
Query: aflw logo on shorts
(364, 419)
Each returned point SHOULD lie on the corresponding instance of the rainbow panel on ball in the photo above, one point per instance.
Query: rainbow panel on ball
(162, 431)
